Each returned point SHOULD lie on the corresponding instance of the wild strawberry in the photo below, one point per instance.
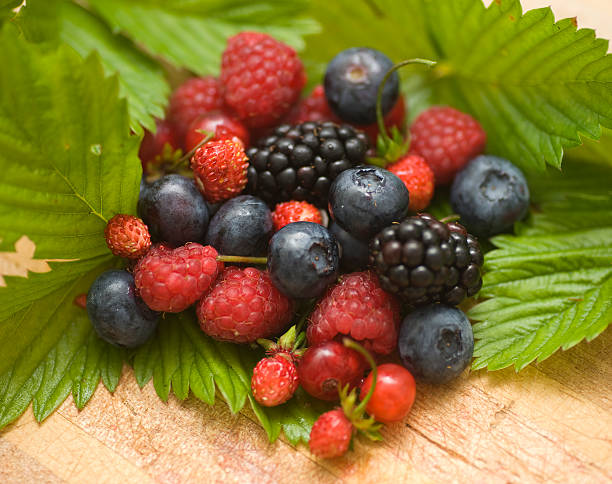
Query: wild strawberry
(171, 280)
(447, 139)
(274, 380)
(127, 236)
(289, 212)
(262, 78)
(220, 169)
(331, 435)
(418, 177)
(244, 306)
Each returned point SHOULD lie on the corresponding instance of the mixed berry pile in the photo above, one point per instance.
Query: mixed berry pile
(273, 218)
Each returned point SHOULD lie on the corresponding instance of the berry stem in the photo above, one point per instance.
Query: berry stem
(379, 114)
(187, 156)
(349, 343)
(243, 259)
(451, 218)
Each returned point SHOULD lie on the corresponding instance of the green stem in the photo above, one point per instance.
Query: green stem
(187, 156)
(379, 114)
(451, 218)
(243, 259)
(349, 343)
(304, 316)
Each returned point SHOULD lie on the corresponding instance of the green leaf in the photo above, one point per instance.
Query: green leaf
(68, 164)
(192, 33)
(141, 79)
(595, 151)
(535, 85)
(180, 356)
(550, 286)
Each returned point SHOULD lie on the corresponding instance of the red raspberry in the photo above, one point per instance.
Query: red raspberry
(447, 139)
(196, 96)
(328, 367)
(331, 435)
(220, 169)
(418, 177)
(313, 108)
(157, 147)
(396, 117)
(292, 211)
(357, 307)
(394, 394)
(244, 306)
(262, 78)
(219, 122)
(274, 380)
(171, 280)
(127, 236)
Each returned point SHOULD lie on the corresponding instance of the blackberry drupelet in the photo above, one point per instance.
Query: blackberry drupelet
(300, 162)
(423, 260)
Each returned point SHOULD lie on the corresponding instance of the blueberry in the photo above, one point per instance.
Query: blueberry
(242, 226)
(353, 252)
(174, 210)
(117, 314)
(351, 84)
(303, 259)
(366, 199)
(490, 194)
(436, 342)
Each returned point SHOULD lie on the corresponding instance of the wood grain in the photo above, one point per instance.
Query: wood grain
(550, 423)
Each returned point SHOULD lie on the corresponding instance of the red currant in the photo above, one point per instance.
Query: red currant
(153, 145)
(329, 366)
(218, 122)
(394, 393)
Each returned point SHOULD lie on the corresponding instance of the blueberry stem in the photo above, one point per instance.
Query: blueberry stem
(243, 259)
(187, 156)
(349, 343)
(379, 114)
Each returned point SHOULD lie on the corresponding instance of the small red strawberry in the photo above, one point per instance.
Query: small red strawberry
(221, 123)
(418, 177)
(127, 236)
(447, 139)
(292, 211)
(220, 169)
(262, 78)
(274, 380)
(193, 98)
(331, 435)
(244, 306)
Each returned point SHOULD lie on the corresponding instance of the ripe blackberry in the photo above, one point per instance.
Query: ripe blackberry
(300, 162)
(423, 260)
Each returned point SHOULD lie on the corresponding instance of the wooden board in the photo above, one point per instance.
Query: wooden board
(552, 422)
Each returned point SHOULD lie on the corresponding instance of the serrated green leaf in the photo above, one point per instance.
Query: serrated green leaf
(192, 34)
(68, 163)
(550, 286)
(196, 362)
(141, 79)
(535, 85)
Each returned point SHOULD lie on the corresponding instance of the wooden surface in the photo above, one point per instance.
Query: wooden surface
(550, 423)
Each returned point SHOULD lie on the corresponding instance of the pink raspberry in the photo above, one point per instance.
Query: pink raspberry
(357, 307)
(171, 280)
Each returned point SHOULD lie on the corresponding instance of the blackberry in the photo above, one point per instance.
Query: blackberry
(300, 162)
(423, 260)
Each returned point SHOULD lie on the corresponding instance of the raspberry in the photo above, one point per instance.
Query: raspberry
(313, 108)
(418, 177)
(160, 146)
(331, 435)
(220, 169)
(221, 123)
(196, 96)
(262, 78)
(127, 236)
(274, 380)
(423, 260)
(447, 139)
(171, 280)
(300, 162)
(358, 307)
(289, 212)
(243, 306)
